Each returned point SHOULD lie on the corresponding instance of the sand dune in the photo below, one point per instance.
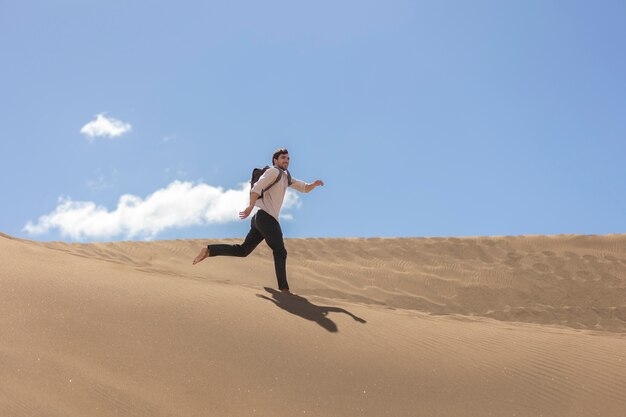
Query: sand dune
(498, 326)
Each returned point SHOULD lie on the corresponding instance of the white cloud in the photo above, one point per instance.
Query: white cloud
(180, 204)
(105, 127)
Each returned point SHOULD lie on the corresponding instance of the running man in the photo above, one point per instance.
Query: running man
(264, 224)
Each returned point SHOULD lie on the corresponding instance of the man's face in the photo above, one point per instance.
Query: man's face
(283, 161)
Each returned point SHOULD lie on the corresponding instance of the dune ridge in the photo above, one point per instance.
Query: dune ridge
(569, 280)
(486, 326)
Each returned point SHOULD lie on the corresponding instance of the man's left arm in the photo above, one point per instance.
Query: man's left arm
(304, 187)
(310, 187)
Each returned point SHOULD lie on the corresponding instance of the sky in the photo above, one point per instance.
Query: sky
(143, 120)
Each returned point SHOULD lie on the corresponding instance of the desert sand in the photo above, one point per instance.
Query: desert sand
(484, 326)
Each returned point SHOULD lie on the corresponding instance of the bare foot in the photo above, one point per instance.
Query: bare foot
(204, 253)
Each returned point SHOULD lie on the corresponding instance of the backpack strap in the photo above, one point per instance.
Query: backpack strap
(280, 174)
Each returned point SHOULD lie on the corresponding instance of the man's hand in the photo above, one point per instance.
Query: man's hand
(246, 212)
(253, 198)
(310, 187)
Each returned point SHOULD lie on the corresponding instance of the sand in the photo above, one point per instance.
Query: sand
(485, 326)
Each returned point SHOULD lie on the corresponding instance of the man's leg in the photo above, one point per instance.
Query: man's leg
(273, 234)
(252, 240)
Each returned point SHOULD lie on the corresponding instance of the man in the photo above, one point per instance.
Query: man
(264, 224)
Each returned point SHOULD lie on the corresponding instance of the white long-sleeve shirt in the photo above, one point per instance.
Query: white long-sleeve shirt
(272, 200)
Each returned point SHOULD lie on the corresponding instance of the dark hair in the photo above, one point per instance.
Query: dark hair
(278, 152)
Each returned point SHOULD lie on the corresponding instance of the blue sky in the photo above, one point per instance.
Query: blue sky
(424, 118)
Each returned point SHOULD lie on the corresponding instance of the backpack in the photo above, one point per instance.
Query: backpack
(257, 172)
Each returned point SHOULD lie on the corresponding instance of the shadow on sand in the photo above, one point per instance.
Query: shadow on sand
(302, 307)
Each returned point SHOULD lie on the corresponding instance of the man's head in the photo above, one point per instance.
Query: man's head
(280, 158)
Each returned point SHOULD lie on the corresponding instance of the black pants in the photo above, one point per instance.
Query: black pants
(262, 226)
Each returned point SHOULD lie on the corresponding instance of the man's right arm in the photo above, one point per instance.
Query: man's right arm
(266, 179)
(253, 198)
